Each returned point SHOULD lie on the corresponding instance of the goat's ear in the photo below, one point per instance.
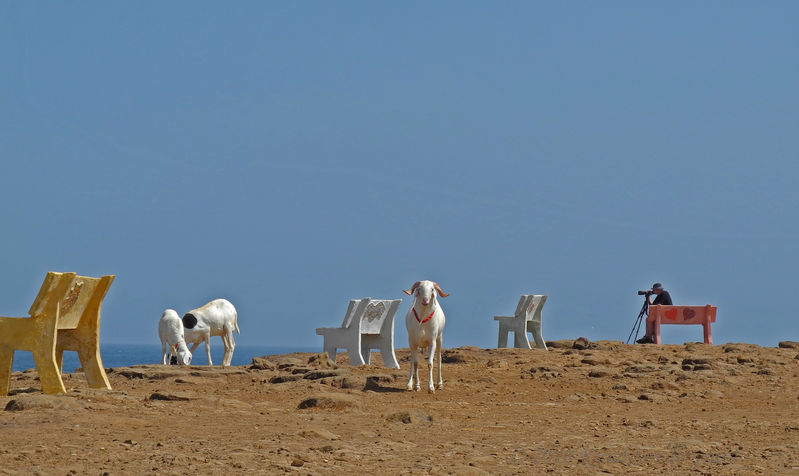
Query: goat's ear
(440, 292)
(413, 288)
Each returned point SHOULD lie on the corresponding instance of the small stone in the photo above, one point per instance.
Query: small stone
(33, 401)
(410, 416)
(332, 401)
(581, 343)
(664, 386)
(297, 462)
(170, 397)
(788, 344)
(284, 378)
(262, 363)
(379, 382)
(321, 361)
(559, 344)
(317, 374)
(598, 373)
(348, 381)
(318, 433)
(455, 356)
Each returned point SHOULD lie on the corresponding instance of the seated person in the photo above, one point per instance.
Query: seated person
(662, 297)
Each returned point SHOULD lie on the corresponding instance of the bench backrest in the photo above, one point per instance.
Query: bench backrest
(683, 314)
(355, 308)
(47, 293)
(83, 298)
(376, 314)
(524, 302)
(530, 306)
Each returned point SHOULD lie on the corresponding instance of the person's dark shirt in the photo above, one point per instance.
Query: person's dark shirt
(664, 299)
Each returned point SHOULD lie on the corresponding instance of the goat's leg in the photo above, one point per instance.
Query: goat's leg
(440, 381)
(417, 383)
(163, 353)
(413, 363)
(194, 346)
(224, 349)
(230, 344)
(208, 349)
(430, 359)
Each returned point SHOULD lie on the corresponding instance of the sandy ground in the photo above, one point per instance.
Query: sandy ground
(609, 409)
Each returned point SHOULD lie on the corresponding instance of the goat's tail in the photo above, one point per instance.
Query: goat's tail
(236, 323)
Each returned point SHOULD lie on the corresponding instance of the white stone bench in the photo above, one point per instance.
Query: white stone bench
(368, 324)
(527, 318)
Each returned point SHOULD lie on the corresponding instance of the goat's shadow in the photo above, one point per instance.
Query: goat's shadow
(373, 385)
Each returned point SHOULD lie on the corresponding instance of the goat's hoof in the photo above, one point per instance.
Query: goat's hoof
(409, 388)
(440, 385)
(431, 390)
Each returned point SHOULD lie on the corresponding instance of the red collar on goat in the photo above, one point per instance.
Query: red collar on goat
(425, 319)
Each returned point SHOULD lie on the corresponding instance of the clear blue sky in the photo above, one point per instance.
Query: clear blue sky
(290, 156)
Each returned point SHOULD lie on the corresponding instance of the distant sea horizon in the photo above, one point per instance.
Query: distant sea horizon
(125, 355)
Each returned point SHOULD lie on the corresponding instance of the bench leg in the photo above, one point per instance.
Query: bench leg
(330, 349)
(520, 340)
(6, 363)
(48, 372)
(708, 336)
(355, 356)
(354, 350)
(93, 368)
(59, 358)
(656, 330)
(366, 354)
(535, 328)
(389, 358)
(386, 345)
(502, 341)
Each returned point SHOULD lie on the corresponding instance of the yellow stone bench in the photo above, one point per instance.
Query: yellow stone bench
(64, 316)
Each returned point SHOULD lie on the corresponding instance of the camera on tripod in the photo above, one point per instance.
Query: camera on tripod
(645, 293)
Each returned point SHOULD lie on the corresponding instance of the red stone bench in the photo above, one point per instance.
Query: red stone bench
(703, 315)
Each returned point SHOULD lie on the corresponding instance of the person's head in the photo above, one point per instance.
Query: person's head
(657, 288)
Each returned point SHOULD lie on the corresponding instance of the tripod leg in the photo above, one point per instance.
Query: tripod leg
(637, 324)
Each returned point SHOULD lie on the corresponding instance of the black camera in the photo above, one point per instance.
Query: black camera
(644, 293)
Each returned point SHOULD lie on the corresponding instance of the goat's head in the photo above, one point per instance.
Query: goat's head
(425, 291)
(182, 353)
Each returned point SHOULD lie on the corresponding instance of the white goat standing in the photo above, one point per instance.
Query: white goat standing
(217, 318)
(170, 331)
(425, 324)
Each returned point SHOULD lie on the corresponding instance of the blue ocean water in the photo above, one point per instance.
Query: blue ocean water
(123, 355)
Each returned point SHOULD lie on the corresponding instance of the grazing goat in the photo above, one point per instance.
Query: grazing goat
(173, 344)
(217, 318)
(425, 324)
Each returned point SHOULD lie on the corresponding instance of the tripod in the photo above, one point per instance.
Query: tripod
(637, 324)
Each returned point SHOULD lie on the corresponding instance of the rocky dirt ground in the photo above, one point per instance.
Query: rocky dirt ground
(579, 408)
